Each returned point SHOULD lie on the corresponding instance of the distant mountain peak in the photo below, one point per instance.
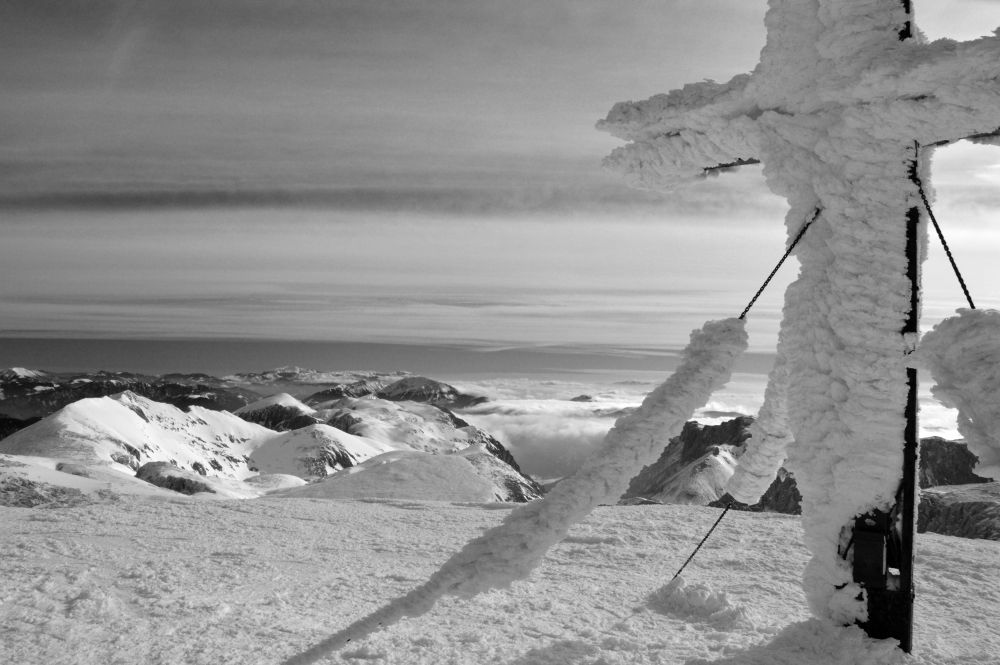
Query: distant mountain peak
(15, 373)
(430, 391)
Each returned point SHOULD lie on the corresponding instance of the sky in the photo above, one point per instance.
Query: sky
(420, 171)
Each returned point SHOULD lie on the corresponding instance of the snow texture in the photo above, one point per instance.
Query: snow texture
(833, 111)
(171, 581)
(963, 355)
(513, 549)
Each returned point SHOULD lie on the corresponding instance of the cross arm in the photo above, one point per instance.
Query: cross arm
(686, 134)
(941, 92)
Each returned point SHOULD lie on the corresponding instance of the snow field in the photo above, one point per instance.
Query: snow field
(141, 581)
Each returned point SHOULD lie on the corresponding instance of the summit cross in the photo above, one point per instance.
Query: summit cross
(845, 96)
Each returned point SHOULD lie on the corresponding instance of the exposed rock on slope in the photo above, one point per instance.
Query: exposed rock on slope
(945, 462)
(969, 511)
(421, 427)
(314, 452)
(280, 412)
(694, 466)
(168, 476)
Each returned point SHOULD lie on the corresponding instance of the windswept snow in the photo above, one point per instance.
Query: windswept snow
(161, 582)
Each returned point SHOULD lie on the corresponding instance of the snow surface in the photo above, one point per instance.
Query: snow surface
(141, 581)
(832, 111)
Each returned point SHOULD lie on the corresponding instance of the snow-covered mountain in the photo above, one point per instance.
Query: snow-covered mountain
(422, 389)
(694, 467)
(21, 373)
(358, 388)
(130, 430)
(314, 451)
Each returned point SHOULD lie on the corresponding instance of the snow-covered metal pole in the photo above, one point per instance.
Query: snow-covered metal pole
(842, 91)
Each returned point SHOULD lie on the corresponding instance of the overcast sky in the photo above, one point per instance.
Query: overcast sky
(163, 129)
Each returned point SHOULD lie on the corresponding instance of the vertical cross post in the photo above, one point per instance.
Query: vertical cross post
(883, 556)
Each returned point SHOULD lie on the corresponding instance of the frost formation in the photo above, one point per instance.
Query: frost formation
(833, 112)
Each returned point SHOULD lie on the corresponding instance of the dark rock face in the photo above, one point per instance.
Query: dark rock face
(73, 469)
(967, 511)
(168, 476)
(781, 497)
(19, 492)
(10, 425)
(279, 418)
(37, 397)
(971, 511)
(696, 442)
(945, 462)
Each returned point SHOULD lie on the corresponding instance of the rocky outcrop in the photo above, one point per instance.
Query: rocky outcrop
(168, 476)
(968, 511)
(944, 462)
(278, 417)
(694, 466)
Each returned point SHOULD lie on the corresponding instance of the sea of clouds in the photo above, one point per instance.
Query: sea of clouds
(550, 435)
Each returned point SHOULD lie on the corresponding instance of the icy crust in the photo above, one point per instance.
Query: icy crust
(510, 551)
(963, 355)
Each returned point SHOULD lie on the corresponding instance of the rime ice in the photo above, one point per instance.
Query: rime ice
(833, 112)
(963, 355)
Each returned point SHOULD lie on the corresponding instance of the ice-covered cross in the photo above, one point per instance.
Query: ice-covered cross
(844, 92)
